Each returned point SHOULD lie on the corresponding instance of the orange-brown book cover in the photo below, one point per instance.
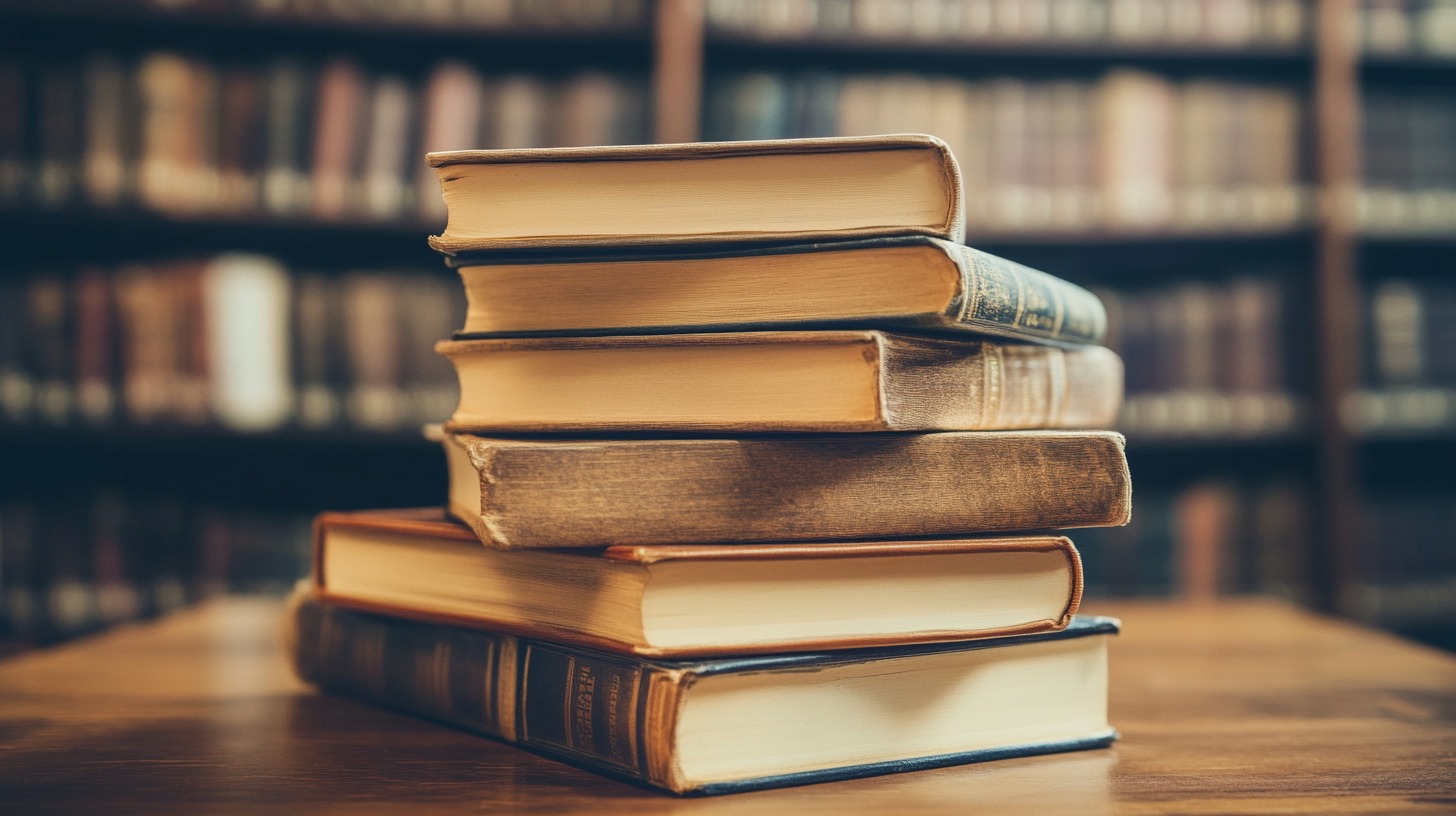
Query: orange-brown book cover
(716, 599)
(699, 193)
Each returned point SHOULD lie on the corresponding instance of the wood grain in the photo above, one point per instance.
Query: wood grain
(1242, 707)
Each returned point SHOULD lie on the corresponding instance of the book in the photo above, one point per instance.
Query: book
(914, 283)
(600, 492)
(684, 600)
(840, 381)
(731, 724)
(699, 193)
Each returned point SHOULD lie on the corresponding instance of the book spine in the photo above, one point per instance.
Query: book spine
(607, 713)
(998, 386)
(812, 488)
(1004, 297)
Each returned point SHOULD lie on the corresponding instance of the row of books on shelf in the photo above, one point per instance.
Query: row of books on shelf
(1409, 166)
(331, 141)
(69, 567)
(1204, 539)
(234, 341)
(1131, 150)
(1410, 358)
(1220, 24)
(1407, 570)
(1207, 358)
(1408, 27)
(485, 15)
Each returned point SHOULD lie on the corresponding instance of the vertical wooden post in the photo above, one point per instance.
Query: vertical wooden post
(1337, 312)
(677, 70)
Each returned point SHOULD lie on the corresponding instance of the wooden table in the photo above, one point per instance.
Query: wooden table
(1242, 707)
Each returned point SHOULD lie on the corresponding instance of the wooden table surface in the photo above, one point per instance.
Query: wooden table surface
(1242, 707)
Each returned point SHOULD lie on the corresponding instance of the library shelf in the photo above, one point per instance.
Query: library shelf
(90, 17)
(1026, 56)
(135, 232)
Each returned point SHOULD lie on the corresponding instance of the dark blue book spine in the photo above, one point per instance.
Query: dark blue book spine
(611, 714)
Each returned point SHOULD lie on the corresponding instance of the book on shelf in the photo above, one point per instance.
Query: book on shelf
(1410, 366)
(1130, 150)
(685, 600)
(1208, 357)
(1404, 28)
(699, 194)
(1211, 537)
(592, 492)
(1409, 175)
(189, 136)
(1407, 570)
(915, 283)
(235, 341)
(1212, 24)
(729, 724)
(806, 381)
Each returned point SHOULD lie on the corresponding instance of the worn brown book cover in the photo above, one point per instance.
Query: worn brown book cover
(602, 492)
(699, 193)
(810, 381)
(696, 600)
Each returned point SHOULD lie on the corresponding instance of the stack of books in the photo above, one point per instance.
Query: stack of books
(751, 478)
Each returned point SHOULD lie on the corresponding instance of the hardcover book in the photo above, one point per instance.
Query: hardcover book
(595, 492)
(684, 600)
(731, 724)
(841, 381)
(915, 282)
(790, 190)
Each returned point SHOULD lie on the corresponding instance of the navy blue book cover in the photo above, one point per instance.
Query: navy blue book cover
(605, 712)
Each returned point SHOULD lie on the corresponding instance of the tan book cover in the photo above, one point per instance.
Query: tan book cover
(681, 600)
(809, 381)
(699, 193)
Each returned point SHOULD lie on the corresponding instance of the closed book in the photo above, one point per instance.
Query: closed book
(600, 492)
(916, 283)
(685, 600)
(701, 193)
(840, 381)
(730, 724)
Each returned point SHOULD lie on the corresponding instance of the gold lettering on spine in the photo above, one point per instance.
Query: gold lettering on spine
(1019, 289)
(971, 274)
(583, 691)
(1056, 385)
(993, 373)
(566, 703)
(1059, 310)
(614, 733)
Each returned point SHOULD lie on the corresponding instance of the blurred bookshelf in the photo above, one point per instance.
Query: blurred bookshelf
(1263, 191)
